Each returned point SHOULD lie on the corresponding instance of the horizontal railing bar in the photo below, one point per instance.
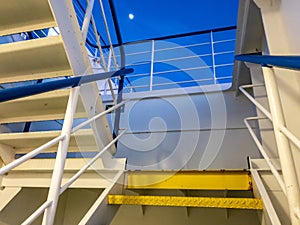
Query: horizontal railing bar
(173, 83)
(30, 155)
(97, 116)
(139, 75)
(287, 62)
(37, 213)
(183, 82)
(227, 40)
(182, 70)
(281, 127)
(139, 63)
(264, 154)
(182, 58)
(182, 46)
(136, 53)
(258, 105)
(90, 163)
(137, 86)
(221, 65)
(223, 53)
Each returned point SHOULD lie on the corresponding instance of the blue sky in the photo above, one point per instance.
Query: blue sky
(157, 18)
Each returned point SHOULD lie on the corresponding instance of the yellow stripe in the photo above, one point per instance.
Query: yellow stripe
(232, 203)
(190, 180)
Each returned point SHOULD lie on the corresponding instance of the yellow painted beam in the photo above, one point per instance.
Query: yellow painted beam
(230, 203)
(190, 180)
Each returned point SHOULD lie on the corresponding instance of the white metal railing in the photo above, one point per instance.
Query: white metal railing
(47, 145)
(289, 184)
(147, 54)
(280, 127)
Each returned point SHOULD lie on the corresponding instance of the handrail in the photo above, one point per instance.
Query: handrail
(30, 155)
(287, 62)
(33, 153)
(90, 163)
(264, 154)
(283, 129)
(24, 91)
(266, 199)
(283, 136)
(54, 141)
(98, 116)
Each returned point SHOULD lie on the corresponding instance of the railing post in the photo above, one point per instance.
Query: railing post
(213, 56)
(152, 64)
(284, 150)
(59, 166)
(87, 19)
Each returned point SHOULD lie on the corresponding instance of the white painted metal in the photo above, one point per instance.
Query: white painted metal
(61, 158)
(265, 197)
(90, 163)
(284, 150)
(108, 35)
(87, 18)
(99, 44)
(264, 154)
(30, 155)
(152, 64)
(256, 103)
(80, 64)
(109, 60)
(112, 91)
(281, 127)
(97, 116)
(100, 212)
(37, 213)
(213, 56)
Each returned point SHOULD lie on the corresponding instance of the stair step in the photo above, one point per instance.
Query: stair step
(38, 173)
(46, 106)
(81, 141)
(179, 201)
(33, 59)
(47, 165)
(20, 16)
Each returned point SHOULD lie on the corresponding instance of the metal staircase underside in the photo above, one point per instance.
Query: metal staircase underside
(43, 58)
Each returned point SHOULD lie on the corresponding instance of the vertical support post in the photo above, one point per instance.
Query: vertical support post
(109, 60)
(213, 56)
(87, 19)
(284, 150)
(152, 64)
(122, 55)
(59, 166)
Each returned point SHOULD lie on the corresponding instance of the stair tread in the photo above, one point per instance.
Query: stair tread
(33, 59)
(20, 16)
(47, 106)
(82, 141)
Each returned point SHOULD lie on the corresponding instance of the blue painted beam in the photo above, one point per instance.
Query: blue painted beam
(288, 62)
(24, 91)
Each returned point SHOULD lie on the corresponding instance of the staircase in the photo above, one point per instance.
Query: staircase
(42, 180)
